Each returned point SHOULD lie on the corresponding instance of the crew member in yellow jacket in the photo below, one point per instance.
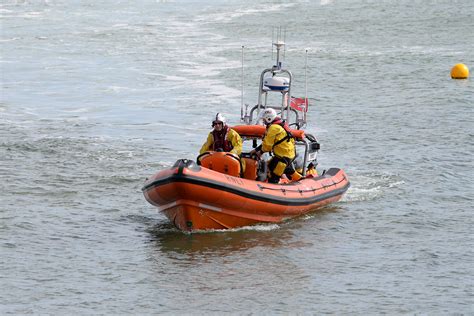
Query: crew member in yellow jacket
(222, 138)
(279, 141)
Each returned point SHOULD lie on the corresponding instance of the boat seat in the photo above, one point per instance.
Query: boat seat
(255, 169)
(223, 162)
(251, 168)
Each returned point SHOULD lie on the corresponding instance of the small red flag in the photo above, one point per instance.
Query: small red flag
(299, 104)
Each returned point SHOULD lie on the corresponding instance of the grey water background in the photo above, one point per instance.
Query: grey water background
(98, 95)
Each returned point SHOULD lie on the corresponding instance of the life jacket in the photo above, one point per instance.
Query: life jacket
(221, 141)
(285, 126)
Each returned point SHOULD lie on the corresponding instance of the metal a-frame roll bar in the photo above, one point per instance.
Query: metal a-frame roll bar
(311, 146)
(285, 108)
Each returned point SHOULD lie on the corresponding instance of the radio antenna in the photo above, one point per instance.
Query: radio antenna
(306, 101)
(242, 88)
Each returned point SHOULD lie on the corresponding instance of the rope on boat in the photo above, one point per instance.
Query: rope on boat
(284, 190)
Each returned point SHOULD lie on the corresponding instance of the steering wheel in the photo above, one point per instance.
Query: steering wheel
(295, 124)
(251, 156)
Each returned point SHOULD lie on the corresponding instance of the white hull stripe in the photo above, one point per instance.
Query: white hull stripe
(210, 207)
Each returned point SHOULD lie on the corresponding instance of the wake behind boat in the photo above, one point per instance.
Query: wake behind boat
(221, 190)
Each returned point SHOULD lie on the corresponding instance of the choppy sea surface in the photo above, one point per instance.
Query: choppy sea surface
(98, 95)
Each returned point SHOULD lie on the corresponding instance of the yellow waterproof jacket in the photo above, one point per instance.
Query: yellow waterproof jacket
(274, 134)
(232, 136)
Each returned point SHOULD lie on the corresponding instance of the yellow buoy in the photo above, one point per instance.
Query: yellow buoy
(459, 71)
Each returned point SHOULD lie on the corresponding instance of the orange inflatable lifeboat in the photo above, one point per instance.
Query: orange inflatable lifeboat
(219, 194)
(197, 198)
(222, 190)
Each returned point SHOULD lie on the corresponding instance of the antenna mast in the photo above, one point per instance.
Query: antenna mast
(306, 101)
(242, 88)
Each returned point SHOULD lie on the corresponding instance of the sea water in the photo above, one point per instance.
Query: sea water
(98, 95)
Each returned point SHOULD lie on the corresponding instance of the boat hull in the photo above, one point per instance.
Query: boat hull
(195, 198)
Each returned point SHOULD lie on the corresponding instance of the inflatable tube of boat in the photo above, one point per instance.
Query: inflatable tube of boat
(259, 131)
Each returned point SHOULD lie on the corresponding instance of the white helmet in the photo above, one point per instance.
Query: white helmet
(268, 115)
(219, 118)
